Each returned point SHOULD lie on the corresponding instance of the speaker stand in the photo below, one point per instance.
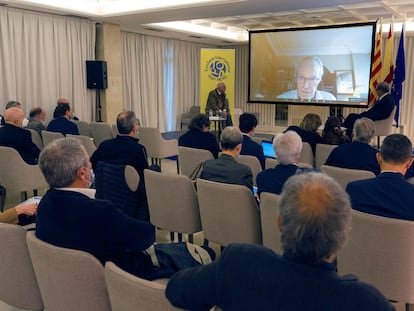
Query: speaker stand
(98, 106)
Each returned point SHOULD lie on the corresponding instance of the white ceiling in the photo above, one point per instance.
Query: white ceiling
(248, 15)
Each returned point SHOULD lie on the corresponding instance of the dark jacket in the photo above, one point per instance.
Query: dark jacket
(250, 147)
(354, 155)
(195, 138)
(309, 137)
(63, 125)
(252, 277)
(388, 195)
(226, 169)
(21, 140)
(72, 220)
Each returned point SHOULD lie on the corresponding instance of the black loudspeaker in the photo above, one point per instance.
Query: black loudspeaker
(96, 74)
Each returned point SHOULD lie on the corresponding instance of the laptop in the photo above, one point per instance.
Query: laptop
(268, 149)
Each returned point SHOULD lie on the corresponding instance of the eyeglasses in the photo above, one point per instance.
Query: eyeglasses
(309, 80)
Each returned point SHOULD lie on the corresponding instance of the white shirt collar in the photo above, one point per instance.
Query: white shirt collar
(90, 193)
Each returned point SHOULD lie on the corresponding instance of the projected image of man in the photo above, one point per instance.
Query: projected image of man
(308, 75)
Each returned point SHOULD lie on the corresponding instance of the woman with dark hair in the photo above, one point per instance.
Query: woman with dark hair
(307, 130)
(332, 133)
(199, 136)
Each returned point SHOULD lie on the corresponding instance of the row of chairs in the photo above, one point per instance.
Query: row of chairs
(225, 213)
(37, 275)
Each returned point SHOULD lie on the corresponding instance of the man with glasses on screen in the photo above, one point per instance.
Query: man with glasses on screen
(308, 75)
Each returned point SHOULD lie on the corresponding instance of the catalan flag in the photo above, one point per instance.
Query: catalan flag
(376, 68)
(387, 70)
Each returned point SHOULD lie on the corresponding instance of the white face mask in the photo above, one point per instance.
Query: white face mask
(25, 122)
(92, 180)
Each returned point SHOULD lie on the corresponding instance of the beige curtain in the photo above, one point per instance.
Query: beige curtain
(42, 57)
(161, 78)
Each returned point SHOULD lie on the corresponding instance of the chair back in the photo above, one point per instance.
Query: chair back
(172, 208)
(269, 210)
(86, 141)
(36, 138)
(156, 145)
(229, 213)
(271, 163)
(306, 155)
(115, 131)
(17, 175)
(322, 153)
(380, 251)
(187, 116)
(111, 184)
(253, 163)
(384, 127)
(100, 131)
(48, 137)
(68, 279)
(345, 175)
(83, 128)
(18, 286)
(189, 158)
(128, 292)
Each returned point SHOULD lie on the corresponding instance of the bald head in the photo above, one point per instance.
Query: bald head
(14, 116)
(315, 215)
(62, 100)
(221, 87)
(38, 113)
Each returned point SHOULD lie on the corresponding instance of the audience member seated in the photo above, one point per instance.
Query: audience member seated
(389, 194)
(61, 122)
(226, 169)
(13, 215)
(124, 149)
(332, 133)
(199, 136)
(11, 104)
(357, 154)
(307, 130)
(380, 110)
(287, 147)
(37, 119)
(69, 216)
(315, 218)
(247, 125)
(13, 135)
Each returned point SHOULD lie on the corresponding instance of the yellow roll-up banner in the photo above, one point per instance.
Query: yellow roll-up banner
(217, 65)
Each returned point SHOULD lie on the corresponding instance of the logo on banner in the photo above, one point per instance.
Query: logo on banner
(218, 67)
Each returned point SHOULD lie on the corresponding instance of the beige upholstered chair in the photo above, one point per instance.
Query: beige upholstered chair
(380, 251)
(86, 141)
(84, 128)
(172, 203)
(18, 286)
(187, 116)
(100, 131)
(229, 213)
(322, 153)
(306, 156)
(411, 180)
(115, 131)
(48, 137)
(189, 158)
(253, 163)
(128, 292)
(384, 127)
(269, 209)
(36, 138)
(17, 175)
(68, 279)
(345, 175)
(270, 163)
(158, 147)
